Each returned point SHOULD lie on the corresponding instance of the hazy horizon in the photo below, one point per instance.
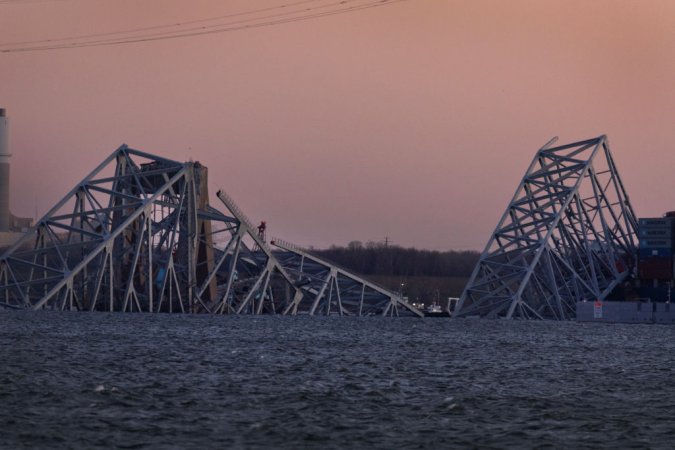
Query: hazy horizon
(413, 121)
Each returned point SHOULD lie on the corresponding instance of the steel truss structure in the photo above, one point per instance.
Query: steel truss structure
(332, 289)
(139, 234)
(569, 234)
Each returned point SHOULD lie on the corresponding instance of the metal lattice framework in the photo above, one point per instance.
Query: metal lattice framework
(252, 280)
(331, 289)
(139, 234)
(568, 235)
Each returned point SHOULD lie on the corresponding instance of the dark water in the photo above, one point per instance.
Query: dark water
(80, 380)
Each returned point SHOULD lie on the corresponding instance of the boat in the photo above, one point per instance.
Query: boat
(435, 310)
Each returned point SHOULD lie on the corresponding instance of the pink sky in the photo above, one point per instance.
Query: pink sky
(414, 120)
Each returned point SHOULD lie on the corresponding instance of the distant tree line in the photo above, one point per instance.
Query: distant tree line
(391, 260)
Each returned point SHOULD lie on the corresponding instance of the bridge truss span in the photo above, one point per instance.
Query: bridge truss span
(569, 234)
(138, 234)
(330, 289)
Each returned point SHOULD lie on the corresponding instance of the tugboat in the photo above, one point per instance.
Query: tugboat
(435, 310)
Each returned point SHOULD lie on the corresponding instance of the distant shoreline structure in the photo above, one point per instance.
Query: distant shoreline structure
(11, 226)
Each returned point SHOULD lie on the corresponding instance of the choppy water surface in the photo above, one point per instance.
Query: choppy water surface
(133, 380)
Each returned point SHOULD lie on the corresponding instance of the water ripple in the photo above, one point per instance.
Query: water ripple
(70, 380)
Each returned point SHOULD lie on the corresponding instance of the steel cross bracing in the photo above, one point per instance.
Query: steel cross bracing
(330, 289)
(139, 234)
(254, 281)
(129, 237)
(569, 234)
(117, 242)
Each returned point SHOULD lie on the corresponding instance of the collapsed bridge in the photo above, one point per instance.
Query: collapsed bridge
(568, 236)
(140, 234)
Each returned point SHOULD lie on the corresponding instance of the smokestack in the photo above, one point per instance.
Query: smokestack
(4, 172)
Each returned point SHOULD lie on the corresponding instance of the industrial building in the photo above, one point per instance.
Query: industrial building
(11, 226)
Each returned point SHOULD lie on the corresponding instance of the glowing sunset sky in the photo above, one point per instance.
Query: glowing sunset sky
(414, 120)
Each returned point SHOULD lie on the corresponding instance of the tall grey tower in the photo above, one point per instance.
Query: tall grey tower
(5, 215)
